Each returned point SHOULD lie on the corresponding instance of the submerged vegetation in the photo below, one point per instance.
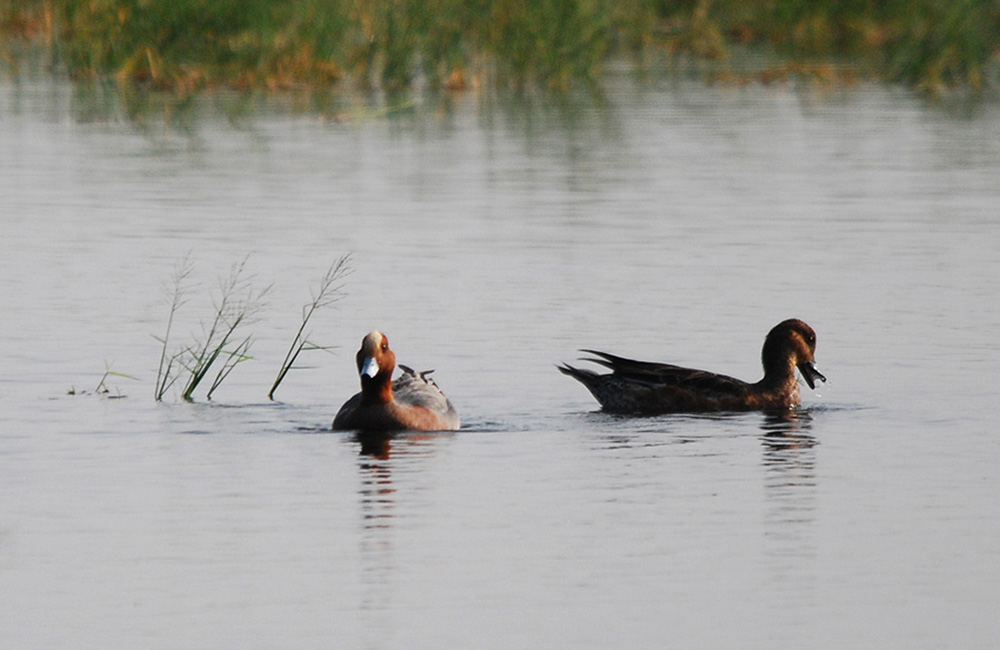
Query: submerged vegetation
(186, 45)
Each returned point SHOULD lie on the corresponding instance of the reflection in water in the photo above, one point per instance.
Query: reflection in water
(380, 456)
(378, 561)
(376, 480)
(786, 435)
(376, 445)
(789, 463)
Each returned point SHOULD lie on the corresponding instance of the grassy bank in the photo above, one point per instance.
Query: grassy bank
(185, 45)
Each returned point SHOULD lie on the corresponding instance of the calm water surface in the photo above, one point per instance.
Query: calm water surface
(490, 240)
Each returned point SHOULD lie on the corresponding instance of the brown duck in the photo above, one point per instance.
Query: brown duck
(413, 401)
(645, 388)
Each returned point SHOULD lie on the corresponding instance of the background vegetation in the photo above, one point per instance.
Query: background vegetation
(185, 45)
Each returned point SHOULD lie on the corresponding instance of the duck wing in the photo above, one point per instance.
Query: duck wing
(418, 389)
(650, 388)
(411, 389)
(664, 374)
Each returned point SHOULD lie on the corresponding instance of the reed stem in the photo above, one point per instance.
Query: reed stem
(165, 376)
(330, 290)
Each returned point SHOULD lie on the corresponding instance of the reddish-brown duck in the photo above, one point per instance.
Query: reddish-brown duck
(413, 401)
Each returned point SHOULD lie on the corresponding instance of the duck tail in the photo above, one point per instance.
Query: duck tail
(585, 377)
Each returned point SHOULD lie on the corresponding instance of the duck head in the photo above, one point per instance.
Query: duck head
(376, 361)
(791, 344)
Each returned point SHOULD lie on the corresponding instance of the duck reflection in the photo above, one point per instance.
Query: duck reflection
(379, 454)
(383, 459)
(377, 491)
(375, 445)
(789, 463)
(787, 433)
(379, 445)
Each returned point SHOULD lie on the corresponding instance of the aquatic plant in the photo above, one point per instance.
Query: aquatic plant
(221, 345)
(329, 291)
(165, 375)
(184, 45)
(102, 387)
(943, 44)
(236, 304)
(928, 44)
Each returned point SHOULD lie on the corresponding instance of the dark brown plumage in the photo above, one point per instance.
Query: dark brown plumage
(646, 388)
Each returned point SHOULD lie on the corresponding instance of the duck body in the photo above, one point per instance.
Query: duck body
(646, 388)
(412, 402)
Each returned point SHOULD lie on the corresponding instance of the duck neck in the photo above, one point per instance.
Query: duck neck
(779, 376)
(377, 390)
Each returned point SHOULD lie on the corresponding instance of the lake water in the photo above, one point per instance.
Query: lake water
(491, 238)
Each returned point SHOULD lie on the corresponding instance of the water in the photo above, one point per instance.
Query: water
(490, 240)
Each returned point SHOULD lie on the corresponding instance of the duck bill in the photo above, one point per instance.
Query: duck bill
(810, 374)
(370, 367)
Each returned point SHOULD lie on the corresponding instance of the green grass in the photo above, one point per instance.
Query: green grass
(329, 291)
(166, 373)
(221, 346)
(186, 45)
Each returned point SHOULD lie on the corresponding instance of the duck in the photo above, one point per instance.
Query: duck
(412, 402)
(649, 388)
